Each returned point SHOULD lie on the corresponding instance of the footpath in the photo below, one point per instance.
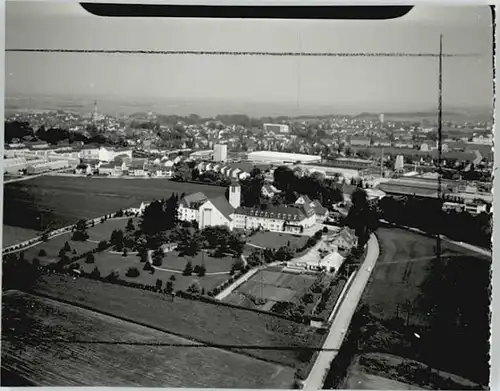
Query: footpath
(342, 319)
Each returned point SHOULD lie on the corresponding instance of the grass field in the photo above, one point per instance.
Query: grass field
(446, 303)
(259, 335)
(173, 261)
(276, 240)
(271, 286)
(401, 270)
(108, 262)
(64, 200)
(38, 343)
(13, 235)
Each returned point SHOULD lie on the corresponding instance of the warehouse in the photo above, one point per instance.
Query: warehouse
(39, 168)
(282, 157)
(14, 165)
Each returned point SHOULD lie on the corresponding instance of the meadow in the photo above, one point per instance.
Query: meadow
(446, 303)
(49, 343)
(65, 200)
(255, 334)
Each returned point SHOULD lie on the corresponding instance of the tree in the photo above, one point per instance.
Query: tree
(169, 288)
(113, 276)
(158, 255)
(159, 284)
(80, 231)
(201, 271)
(188, 270)
(62, 252)
(194, 288)
(45, 236)
(36, 262)
(125, 252)
(95, 273)
(133, 272)
(256, 258)
(42, 253)
(102, 245)
(130, 226)
(90, 258)
(116, 239)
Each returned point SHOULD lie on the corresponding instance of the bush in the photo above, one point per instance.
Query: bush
(103, 245)
(188, 270)
(133, 272)
(173, 278)
(89, 258)
(201, 271)
(95, 274)
(42, 253)
(113, 276)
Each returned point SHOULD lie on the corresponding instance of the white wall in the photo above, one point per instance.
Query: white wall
(216, 217)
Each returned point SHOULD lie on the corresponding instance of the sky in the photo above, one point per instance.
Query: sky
(263, 85)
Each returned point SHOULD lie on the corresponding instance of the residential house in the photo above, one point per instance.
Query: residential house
(269, 191)
(112, 169)
(346, 239)
(360, 141)
(320, 211)
(137, 167)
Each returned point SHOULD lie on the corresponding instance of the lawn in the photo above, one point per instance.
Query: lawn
(255, 334)
(64, 200)
(276, 240)
(38, 344)
(173, 261)
(446, 304)
(108, 262)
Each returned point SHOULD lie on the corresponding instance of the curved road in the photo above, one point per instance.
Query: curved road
(341, 322)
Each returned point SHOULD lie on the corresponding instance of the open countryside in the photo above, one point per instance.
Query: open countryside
(124, 353)
(431, 316)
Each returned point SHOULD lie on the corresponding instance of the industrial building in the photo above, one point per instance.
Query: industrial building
(277, 128)
(41, 167)
(282, 157)
(14, 165)
(220, 153)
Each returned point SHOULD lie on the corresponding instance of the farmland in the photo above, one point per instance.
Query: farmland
(255, 334)
(445, 303)
(270, 287)
(12, 235)
(64, 200)
(49, 343)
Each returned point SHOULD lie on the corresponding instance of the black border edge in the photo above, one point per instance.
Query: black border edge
(254, 12)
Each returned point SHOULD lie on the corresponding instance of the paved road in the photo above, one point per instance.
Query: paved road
(341, 322)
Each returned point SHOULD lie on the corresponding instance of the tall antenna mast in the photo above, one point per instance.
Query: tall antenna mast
(440, 139)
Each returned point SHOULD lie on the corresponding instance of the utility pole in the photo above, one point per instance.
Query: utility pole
(382, 163)
(440, 143)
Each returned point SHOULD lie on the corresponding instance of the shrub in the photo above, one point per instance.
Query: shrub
(147, 266)
(194, 288)
(36, 262)
(133, 272)
(89, 258)
(196, 269)
(113, 276)
(42, 253)
(125, 252)
(188, 270)
(103, 245)
(73, 252)
(201, 271)
(173, 278)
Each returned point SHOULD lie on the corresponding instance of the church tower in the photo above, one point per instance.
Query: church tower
(235, 195)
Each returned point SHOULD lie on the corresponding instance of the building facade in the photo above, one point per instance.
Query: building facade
(220, 153)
